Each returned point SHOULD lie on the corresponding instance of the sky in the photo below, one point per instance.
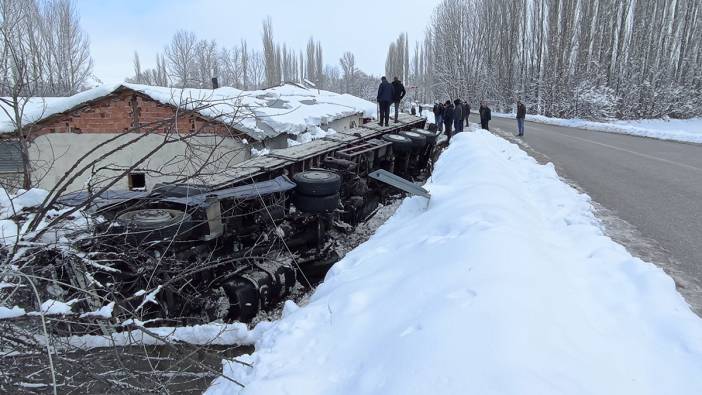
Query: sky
(364, 27)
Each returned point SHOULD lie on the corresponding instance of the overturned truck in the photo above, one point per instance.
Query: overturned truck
(227, 251)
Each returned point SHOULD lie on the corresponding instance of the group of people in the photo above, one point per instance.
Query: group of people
(455, 115)
(450, 117)
(389, 93)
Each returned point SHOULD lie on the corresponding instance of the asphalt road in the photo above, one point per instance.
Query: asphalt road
(654, 185)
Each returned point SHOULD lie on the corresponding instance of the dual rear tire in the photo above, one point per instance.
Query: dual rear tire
(317, 191)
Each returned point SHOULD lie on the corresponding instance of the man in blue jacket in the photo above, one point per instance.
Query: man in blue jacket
(385, 94)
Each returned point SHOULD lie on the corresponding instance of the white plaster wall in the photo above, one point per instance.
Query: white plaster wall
(54, 154)
(344, 124)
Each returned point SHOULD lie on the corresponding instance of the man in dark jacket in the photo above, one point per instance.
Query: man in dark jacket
(466, 111)
(458, 116)
(398, 92)
(485, 115)
(438, 116)
(384, 99)
(521, 114)
(448, 118)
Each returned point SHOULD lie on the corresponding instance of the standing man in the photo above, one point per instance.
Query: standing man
(439, 117)
(485, 115)
(448, 118)
(420, 109)
(458, 116)
(521, 114)
(466, 111)
(384, 99)
(398, 92)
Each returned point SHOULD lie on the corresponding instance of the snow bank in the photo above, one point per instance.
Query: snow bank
(504, 284)
(687, 130)
(209, 334)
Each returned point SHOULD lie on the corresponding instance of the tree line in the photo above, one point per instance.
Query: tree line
(192, 63)
(566, 58)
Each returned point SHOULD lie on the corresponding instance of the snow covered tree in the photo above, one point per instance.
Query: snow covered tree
(633, 59)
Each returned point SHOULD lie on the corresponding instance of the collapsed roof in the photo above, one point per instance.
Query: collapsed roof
(261, 114)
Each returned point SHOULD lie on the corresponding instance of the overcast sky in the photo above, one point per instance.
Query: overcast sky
(364, 27)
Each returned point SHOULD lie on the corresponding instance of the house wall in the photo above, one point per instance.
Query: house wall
(60, 140)
(209, 156)
(344, 124)
(121, 111)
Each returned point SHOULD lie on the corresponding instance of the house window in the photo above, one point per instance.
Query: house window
(137, 181)
(10, 156)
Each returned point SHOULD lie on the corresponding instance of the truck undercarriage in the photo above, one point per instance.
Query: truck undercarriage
(196, 253)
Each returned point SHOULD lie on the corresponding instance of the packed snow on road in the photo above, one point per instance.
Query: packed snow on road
(503, 283)
(686, 130)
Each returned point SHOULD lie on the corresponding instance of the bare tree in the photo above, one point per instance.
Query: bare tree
(348, 68)
(311, 63)
(256, 69)
(138, 74)
(181, 57)
(272, 67)
(38, 62)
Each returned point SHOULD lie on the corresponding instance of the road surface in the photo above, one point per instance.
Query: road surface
(655, 185)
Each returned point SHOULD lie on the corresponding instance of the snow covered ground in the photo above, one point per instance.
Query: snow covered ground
(687, 130)
(504, 283)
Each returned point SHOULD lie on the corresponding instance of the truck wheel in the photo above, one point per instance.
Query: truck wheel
(317, 182)
(152, 218)
(430, 136)
(315, 204)
(149, 225)
(399, 143)
(418, 140)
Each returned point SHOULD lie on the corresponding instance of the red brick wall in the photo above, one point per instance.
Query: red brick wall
(117, 113)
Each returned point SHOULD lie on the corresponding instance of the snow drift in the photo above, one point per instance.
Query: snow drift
(504, 284)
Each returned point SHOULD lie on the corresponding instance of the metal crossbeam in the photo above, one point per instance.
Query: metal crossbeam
(400, 183)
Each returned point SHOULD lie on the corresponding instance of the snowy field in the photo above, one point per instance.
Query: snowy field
(503, 284)
(687, 130)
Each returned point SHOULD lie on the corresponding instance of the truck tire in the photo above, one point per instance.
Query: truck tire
(418, 140)
(431, 137)
(155, 224)
(152, 218)
(399, 142)
(315, 204)
(317, 182)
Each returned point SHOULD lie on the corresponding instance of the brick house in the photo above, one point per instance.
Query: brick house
(198, 134)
